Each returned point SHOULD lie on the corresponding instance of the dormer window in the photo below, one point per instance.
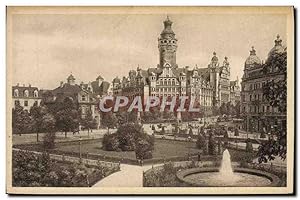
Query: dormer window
(16, 93)
(26, 93)
(35, 93)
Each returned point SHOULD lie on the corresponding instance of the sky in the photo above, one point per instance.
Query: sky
(47, 48)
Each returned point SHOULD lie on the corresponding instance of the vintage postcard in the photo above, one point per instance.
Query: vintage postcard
(150, 100)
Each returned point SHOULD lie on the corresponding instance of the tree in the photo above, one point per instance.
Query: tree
(236, 132)
(48, 125)
(132, 117)
(223, 109)
(237, 108)
(249, 146)
(176, 129)
(215, 110)
(229, 108)
(37, 114)
(88, 122)
(275, 92)
(67, 118)
(143, 149)
(201, 143)
(191, 132)
(21, 120)
(109, 120)
(211, 144)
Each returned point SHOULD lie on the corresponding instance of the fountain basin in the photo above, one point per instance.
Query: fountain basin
(243, 177)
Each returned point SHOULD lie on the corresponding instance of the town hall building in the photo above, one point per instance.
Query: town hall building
(210, 86)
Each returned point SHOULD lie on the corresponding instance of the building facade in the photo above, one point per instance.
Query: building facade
(25, 96)
(210, 86)
(257, 112)
(85, 96)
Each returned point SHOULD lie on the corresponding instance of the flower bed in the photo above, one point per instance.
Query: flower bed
(34, 170)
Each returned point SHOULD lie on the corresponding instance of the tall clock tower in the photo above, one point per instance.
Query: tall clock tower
(167, 45)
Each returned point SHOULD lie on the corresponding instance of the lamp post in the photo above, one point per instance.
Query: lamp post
(80, 150)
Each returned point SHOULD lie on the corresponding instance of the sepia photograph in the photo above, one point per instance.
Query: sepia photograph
(150, 100)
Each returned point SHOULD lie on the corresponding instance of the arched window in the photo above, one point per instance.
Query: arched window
(16, 93)
(35, 93)
(26, 93)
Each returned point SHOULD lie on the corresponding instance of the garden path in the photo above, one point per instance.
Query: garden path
(128, 176)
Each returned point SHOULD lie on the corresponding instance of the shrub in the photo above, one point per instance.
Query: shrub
(49, 141)
(236, 132)
(130, 137)
(263, 135)
(30, 169)
(211, 145)
(249, 146)
(201, 143)
(110, 142)
(143, 149)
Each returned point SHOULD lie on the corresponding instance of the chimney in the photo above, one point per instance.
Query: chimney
(18, 84)
(23, 85)
(61, 84)
(29, 85)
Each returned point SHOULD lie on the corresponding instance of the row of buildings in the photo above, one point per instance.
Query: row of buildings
(210, 86)
(256, 110)
(85, 96)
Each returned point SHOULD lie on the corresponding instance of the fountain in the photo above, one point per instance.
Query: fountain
(227, 176)
(226, 169)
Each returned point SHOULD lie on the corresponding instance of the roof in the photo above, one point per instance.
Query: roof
(102, 89)
(67, 88)
(278, 47)
(168, 27)
(71, 77)
(116, 80)
(22, 90)
(99, 78)
(253, 59)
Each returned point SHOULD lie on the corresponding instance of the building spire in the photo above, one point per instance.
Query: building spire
(278, 40)
(252, 52)
(225, 63)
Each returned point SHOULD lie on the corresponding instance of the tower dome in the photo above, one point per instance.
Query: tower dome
(253, 59)
(116, 80)
(168, 27)
(278, 47)
(71, 79)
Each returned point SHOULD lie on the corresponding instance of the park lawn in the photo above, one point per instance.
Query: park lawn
(162, 149)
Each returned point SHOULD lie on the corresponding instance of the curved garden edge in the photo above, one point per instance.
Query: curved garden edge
(275, 181)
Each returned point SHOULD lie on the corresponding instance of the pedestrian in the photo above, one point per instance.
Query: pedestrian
(199, 157)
